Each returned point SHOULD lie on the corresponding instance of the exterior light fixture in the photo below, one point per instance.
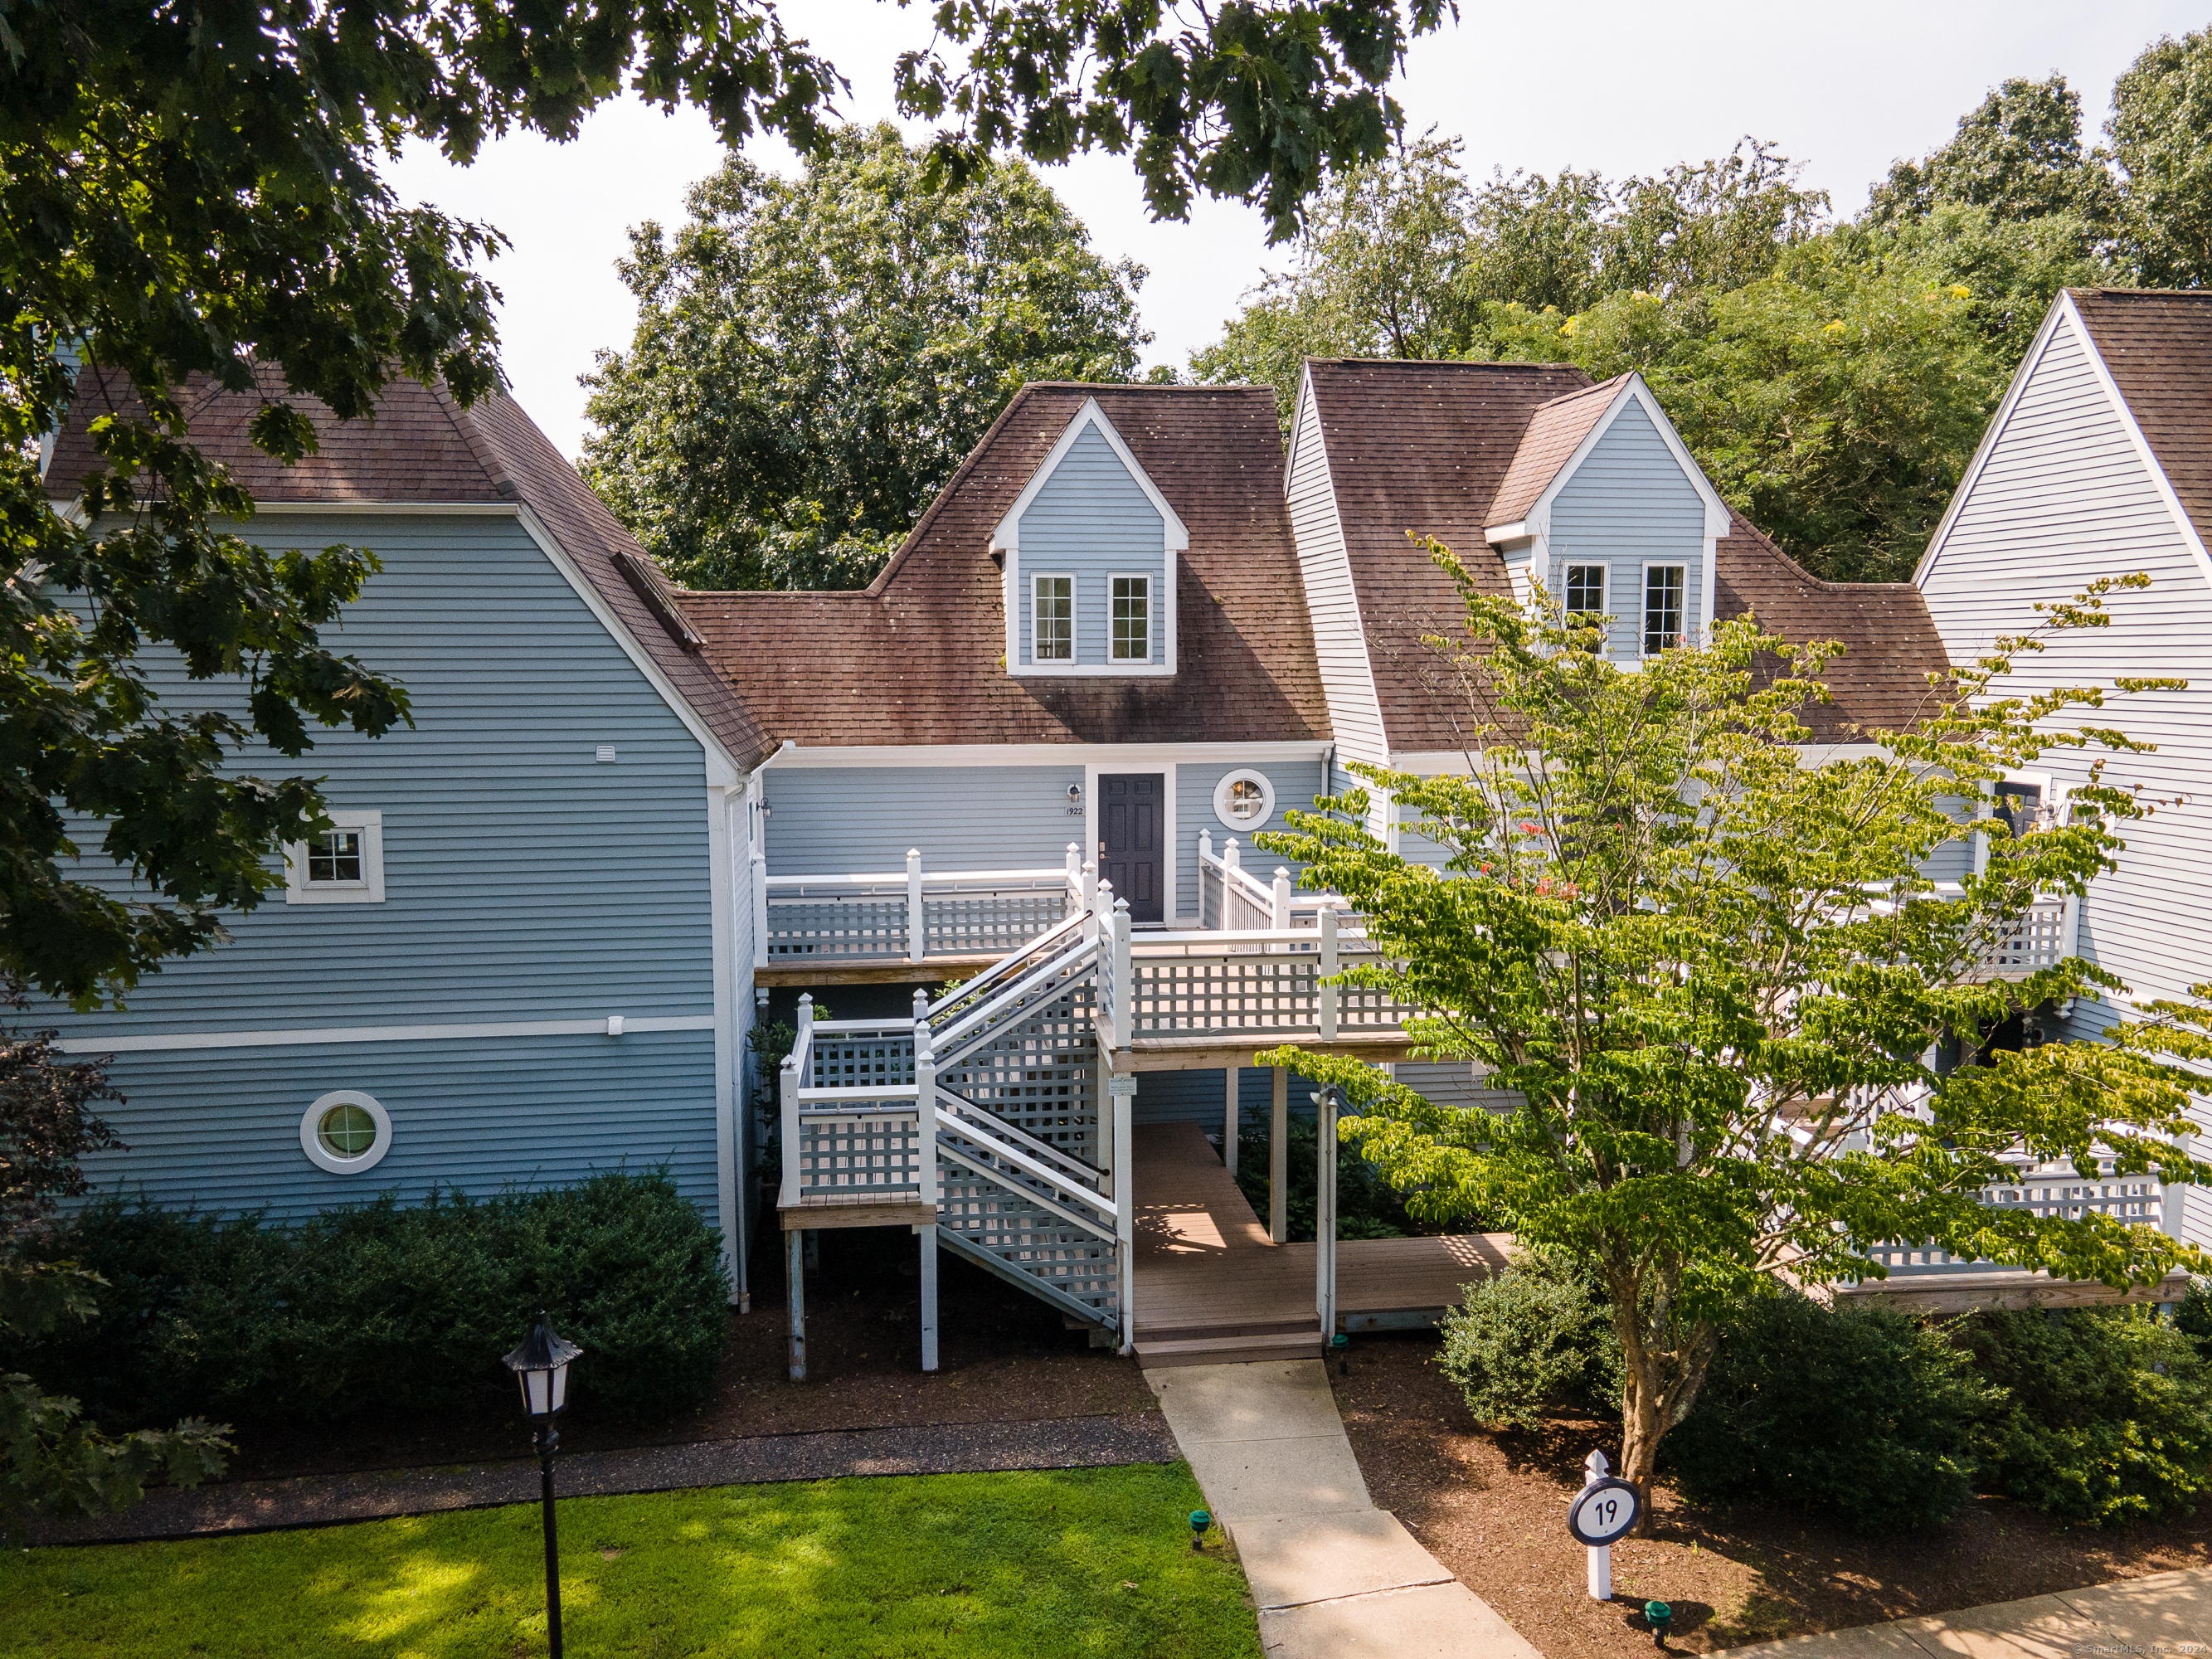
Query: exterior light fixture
(1200, 1520)
(1658, 1616)
(540, 1365)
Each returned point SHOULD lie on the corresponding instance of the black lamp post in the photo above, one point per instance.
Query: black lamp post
(541, 1366)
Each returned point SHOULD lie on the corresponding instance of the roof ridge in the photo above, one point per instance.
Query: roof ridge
(496, 472)
(1580, 392)
(1447, 362)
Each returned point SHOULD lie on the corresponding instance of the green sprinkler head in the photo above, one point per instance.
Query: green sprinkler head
(1200, 1520)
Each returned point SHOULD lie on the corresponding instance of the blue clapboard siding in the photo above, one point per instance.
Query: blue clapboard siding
(525, 881)
(220, 1129)
(849, 820)
(1092, 520)
(1629, 501)
(1296, 784)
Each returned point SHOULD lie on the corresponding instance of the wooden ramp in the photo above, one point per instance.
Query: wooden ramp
(1210, 1289)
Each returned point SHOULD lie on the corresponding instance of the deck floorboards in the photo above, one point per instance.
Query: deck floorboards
(1203, 1259)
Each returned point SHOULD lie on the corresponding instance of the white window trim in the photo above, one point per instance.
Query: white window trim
(1244, 826)
(311, 1140)
(1075, 625)
(2054, 794)
(298, 890)
(1152, 617)
(1686, 633)
(1568, 567)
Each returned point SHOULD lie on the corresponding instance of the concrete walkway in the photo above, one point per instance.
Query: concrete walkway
(2167, 1613)
(1334, 1577)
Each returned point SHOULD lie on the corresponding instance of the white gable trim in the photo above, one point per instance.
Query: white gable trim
(1358, 658)
(1537, 521)
(2128, 424)
(2014, 392)
(2063, 311)
(722, 768)
(1007, 536)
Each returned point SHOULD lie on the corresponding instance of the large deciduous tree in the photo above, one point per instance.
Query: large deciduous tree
(814, 356)
(194, 190)
(1708, 961)
(2162, 139)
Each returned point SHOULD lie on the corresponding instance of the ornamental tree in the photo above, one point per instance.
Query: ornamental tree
(1705, 955)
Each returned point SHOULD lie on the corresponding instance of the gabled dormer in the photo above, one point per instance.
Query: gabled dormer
(1604, 505)
(1090, 551)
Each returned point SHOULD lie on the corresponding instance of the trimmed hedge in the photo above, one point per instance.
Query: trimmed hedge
(2107, 1414)
(1533, 1338)
(378, 1307)
(1868, 1415)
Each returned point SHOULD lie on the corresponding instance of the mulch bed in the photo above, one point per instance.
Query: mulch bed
(1492, 1509)
(1004, 1357)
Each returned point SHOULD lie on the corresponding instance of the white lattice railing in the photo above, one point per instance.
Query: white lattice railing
(908, 915)
(2045, 937)
(2043, 1189)
(1233, 900)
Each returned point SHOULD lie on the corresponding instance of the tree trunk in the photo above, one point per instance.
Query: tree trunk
(1663, 1367)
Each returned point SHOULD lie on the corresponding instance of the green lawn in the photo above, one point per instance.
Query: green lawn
(1072, 1562)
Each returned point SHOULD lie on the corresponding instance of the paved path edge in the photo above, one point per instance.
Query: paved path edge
(319, 1500)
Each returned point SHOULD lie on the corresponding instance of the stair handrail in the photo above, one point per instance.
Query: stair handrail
(1070, 958)
(961, 1107)
(1050, 1204)
(794, 1068)
(966, 989)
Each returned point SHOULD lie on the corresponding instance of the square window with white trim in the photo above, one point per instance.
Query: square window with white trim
(1585, 601)
(1664, 587)
(343, 866)
(1052, 615)
(1133, 619)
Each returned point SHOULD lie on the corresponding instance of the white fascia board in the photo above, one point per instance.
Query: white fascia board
(1008, 534)
(733, 983)
(1538, 520)
(1431, 762)
(722, 768)
(1518, 531)
(2128, 424)
(1108, 756)
(2051, 321)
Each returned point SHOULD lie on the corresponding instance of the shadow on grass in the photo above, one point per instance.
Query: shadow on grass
(1079, 1562)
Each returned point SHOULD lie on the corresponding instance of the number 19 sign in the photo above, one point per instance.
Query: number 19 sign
(1603, 1511)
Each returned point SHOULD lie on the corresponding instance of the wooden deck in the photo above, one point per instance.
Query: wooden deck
(1210, 1287)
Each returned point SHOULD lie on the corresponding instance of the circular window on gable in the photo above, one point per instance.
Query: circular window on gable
(1245, 800)
(345, 1132)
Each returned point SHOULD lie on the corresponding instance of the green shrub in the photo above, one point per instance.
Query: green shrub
(1530, 1339)
(382, 1307)
(1867, 1415)
(2108, 1413)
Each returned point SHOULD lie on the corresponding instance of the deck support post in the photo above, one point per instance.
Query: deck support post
(1122, 1091)
(917, 915)
(1232, 1119)
(1279, 1153)
(928, 1232)
(1325, 1219)
(795, 1272)
(813, 1238)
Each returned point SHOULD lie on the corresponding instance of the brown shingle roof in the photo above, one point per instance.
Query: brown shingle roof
(2157, 345)
(918, 658)
(1555, 431)
(1428, 447)
(423, 446)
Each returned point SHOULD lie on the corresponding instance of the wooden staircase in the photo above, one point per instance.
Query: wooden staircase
(1226, 1341)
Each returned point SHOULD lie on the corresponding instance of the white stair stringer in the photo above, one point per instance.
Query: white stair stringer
(1020, 1191)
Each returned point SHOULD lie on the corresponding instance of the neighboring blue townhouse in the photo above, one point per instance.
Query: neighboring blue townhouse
(1136, 628)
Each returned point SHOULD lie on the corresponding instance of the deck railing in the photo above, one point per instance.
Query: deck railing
(2042, 1189)
(1233, 899)
(909, 916)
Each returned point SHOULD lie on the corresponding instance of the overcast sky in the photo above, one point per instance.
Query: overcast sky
(1623, 87)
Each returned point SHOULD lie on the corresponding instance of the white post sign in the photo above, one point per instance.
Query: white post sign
(1605, 1509)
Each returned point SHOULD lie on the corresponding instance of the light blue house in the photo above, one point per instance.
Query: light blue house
(1135, 629)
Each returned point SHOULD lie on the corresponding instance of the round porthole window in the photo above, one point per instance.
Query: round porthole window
(345, 1132)
(1245, 800)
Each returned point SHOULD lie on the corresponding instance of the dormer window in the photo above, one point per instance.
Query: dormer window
(1088, 550)
(1586, 601)
(1663, 586)
(1052, 609)
(1133, 619)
